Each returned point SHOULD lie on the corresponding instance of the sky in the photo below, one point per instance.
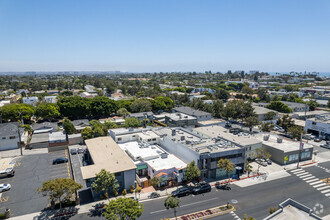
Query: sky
(165, 35)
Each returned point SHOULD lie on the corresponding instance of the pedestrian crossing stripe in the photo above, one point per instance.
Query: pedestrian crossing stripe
(308, 178)
(324, 187)
(297, 171)
(318, 185)
(312, 180)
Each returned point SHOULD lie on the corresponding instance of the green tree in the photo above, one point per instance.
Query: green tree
(105, 182)
(218, 108)
(251, 121)
(68, 126)
(172, 203)
(155, 181)
(162, 103)
(27, 128)
(266, 127)
(141, 105)
(74, 107)
(296, 132)
(270, 115)
(15, 112)
(247, 90)
(87, 133)
(122, 112)
(328, 104)
(132, 123)
(192, 172)
(226, 164)
(124, 192)
(122, 209)
(248, 218)
(59, 189)
(312, 105)
(102, 106)
(48, 111)
(285, 122)
(262, 94)
(279, 106)
(248, 168)
(222, 94)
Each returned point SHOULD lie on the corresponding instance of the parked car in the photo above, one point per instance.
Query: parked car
(228, 125)
(5, 187)
(154, 195)
(60, 160)
(202, 188)
(261, 162)
(7, 172)
(327, 146)
(317, 139)
(184, 191)
(328, 142)
(223, 186)
(73, 151)
(80, 150)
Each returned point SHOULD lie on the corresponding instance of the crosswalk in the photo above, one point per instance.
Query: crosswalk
(324, 168)
(235, 216)
(317, 183)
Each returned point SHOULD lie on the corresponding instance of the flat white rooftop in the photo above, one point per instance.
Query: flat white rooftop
(153, 155)
(285, 146)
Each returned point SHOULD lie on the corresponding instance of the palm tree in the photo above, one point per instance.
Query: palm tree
(226, 164)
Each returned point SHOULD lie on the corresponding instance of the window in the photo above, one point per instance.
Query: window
(293, 157)
(313, 123)
(134, 136)
(12, 137)
(119, 139)
(117, 174)
(3, 138)
(154, 139)
(180, 171)
(149, 140)
(305, 155)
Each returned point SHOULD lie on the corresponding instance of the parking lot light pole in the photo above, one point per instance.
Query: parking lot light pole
(300, 146)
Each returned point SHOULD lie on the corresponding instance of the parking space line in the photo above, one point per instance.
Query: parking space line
(66, 155)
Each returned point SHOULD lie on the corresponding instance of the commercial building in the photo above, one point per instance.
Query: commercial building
(123, 135)
(58, 141)
(9, 136)
(200, 115)
(206, 152)
(320, 126)
(309, 114)
(180, 120)
(211, 122)
(249, 143)
(104, 153)
(151, 160)
(284, 151)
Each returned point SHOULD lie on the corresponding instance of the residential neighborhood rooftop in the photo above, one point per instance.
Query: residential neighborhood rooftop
(106, 154)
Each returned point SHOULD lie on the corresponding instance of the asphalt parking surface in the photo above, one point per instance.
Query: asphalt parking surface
(31, 172)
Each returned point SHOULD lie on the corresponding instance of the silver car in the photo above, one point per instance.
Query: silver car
(4, 187)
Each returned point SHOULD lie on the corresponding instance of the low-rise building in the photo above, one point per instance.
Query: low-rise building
(80, 124)
(285, 151)
(262, 112)
(211, 122)
(104, 153)
(44, 127)
(87, 95)
(39, 140)
(320, 126)
(151, 160)
(142, 116)
(30, 100)
(9, 136)
(309, 114)
(180, 120)
(123, 135)
(90, 88)
(4, 102)
(206, 152)
(249, 143)
(50, 99)
(58, 141)
(200, 115)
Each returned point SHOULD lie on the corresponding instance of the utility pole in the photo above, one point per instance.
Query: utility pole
(19, 139)
(300, 145)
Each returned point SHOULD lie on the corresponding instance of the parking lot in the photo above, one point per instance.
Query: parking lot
(31, 172)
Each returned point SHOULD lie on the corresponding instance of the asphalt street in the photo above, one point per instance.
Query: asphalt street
(253, 200)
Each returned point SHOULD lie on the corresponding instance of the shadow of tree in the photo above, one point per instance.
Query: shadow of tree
(97, 209)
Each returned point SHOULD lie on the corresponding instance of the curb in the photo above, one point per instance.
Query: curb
(235, 180)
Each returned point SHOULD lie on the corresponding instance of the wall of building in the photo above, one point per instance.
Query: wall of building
(318, 126)
(251, 149)
(8, 144)
(184, 153)
(129, 178)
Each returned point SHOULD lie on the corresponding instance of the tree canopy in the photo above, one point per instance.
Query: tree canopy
(279, 106)
(192, 172)
(226, 164)
(172, 203)
(15, 112)
(105, 182)
(68, 126)
(48, 111)
(132, 123)
(122, 209)
(141, 105)
(59, 188)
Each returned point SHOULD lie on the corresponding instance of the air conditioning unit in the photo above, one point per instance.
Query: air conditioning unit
(279, 140)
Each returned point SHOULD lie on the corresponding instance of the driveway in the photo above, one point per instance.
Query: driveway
(31, 172)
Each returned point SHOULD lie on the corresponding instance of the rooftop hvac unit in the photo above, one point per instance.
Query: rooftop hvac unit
(173, 132)
(163, 156)
(131, 129)
(279, 140)
(182, 138)
(188, 142)
(266, 137)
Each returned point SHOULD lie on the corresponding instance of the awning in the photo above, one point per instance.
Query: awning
(141, 166)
